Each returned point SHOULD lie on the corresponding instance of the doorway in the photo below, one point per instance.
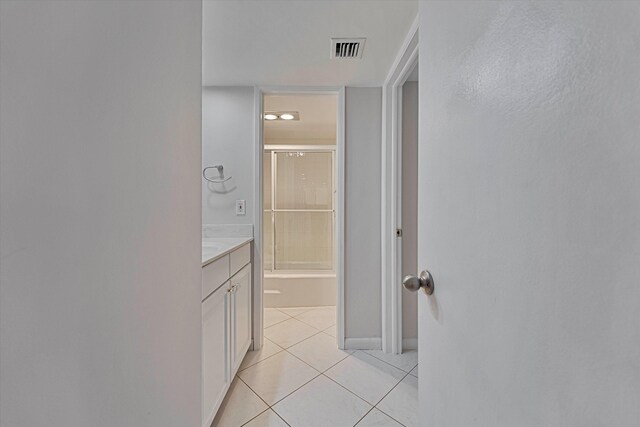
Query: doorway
(301, 229)
(408, 206)
(399, 204)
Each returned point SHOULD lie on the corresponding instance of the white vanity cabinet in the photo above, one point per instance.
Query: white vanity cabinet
(215, 354)
(226, 325)
(240, 315)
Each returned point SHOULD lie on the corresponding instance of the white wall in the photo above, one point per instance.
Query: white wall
(228, 138)
(100, 213)
(410, 205)
(529, 141)
(363, 111)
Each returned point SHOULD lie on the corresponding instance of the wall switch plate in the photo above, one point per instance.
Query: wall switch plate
(240, 207)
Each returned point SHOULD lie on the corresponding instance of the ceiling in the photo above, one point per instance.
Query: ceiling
(318, 114)
(287, 42)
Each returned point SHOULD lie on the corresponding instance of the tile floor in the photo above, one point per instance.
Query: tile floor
(300, 379)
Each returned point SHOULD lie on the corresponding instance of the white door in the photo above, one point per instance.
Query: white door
(529, 214)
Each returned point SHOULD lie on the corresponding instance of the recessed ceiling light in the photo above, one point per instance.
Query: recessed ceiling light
(270, 117)
(287, 116)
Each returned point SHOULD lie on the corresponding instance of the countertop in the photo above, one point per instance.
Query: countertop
(217, 247)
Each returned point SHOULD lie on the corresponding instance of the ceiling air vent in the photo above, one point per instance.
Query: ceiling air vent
(347, 48)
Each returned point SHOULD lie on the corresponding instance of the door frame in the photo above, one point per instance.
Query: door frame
(391, 189)
(258, 273)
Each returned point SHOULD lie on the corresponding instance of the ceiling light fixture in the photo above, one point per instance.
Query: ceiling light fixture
(282, 115)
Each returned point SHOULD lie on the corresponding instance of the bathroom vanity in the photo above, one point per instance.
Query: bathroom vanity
(226, 316)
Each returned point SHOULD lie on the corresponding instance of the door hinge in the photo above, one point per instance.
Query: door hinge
(398, 232)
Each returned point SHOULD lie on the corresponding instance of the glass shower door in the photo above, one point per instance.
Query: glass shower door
(301, 213)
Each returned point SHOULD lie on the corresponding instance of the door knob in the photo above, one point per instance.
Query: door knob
(424, 281)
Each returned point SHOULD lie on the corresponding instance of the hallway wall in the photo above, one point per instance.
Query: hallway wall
(100, 267)
(363, 300)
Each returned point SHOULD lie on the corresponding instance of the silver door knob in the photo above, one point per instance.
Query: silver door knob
(424, 281)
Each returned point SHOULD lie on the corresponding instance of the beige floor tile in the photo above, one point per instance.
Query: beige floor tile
(239, 406)
(268, 349)
(405, 361)
(414, 372)
(366, 376)
(267, 419)
(319, 318)
(289, 332)
(295, 311)
(331, 330)
(273, 316)
(375, 418)
(402, 402)
(320, 351)
(275, 377)
(322, 403)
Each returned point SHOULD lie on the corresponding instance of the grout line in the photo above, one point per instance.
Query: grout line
(284, 397)
(403, 425)
(331, 379)
(304, 361)
(262, 360)
(364, 416)
(309, 324)
(303, 339)
(293, 317)
(339, 361)
(280, 311)
(331, 336)
(313, 367)
(270, 407)
(280, 416)
(376, 405)
(382, 360)
(320, 373)
(244, 424)
(277, 323)
(387, 394)
(256, 393)
(267, 410)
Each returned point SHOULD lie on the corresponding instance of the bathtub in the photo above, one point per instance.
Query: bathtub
(299, 290)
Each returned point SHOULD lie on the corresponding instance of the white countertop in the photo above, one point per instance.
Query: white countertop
(216, 247)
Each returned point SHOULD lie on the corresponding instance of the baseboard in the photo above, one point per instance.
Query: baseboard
(409, 343)
(362, 343)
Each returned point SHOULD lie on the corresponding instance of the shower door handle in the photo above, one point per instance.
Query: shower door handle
(424, 281)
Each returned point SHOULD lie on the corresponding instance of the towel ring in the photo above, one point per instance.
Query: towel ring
(220, 172)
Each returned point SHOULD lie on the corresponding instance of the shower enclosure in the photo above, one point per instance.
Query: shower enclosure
(299, 222)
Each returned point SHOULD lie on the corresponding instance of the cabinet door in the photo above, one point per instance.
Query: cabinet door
(215, 351)
(240, 315)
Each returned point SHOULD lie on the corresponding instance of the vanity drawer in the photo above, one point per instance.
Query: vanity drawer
(214, 275)
(239, 258)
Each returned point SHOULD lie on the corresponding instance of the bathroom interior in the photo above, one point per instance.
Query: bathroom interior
(299, 200)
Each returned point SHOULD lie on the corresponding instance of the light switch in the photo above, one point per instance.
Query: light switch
(240, 207)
